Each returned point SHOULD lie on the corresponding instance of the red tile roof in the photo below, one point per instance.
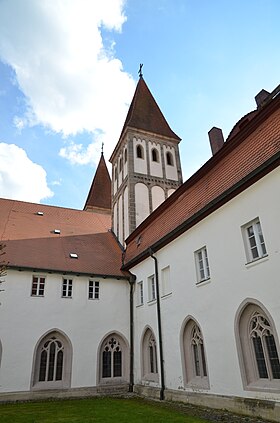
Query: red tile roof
(31, 242)
(253, 145)
(99, 196)
(144, 114)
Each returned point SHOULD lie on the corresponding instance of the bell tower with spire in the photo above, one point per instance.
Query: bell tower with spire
(146, 165)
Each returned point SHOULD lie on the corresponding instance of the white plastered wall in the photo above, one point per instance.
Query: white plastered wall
(125, 212)
(25, 319)
(141, 203)
(213, 304)
(157, 196)
(120, 229)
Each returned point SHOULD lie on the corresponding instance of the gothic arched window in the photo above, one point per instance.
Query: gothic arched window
(194, 358)
(149, 356)
(113, 359)
(139, 152)
(169, 159)
(53, 357)
(258, 345)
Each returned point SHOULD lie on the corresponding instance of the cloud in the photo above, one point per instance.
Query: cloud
(20, 178)
(62, 53)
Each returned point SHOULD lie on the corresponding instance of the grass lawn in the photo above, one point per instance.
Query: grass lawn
(97, 410)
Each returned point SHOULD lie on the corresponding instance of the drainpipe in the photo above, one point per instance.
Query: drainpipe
(159, 328)
(131, 374)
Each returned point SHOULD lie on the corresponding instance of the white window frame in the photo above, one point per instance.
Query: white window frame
(140, 293)
(38, 288)
(152, 288)
(93, 290)
(202, 265)
(67, 287)
(255, 247)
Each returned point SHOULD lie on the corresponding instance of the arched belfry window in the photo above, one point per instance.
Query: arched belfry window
(113, 359)
(258, 348)
(139, 152)
(169, 159)
(120, 164)
(125, 155)
(149, 357)
(155, 155)
(53, 358)
(193, 355)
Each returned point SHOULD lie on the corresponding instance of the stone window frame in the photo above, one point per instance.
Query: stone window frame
(123, 343)
(246, 353)
(65, 381)
(38, 285)
(202, 265)
(149, 356)
(253, 238)
(191, 362)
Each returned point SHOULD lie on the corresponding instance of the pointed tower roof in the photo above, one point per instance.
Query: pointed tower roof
(145, 114)
(99, 196)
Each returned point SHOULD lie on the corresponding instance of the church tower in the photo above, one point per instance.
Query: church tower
(146, 165)
(99, 196)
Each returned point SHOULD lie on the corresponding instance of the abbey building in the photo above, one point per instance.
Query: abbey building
(160, 287)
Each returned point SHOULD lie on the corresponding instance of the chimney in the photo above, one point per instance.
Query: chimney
(261, 97)
(216, 139)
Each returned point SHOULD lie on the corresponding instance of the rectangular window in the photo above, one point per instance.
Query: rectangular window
(202, 265)
(93, 290)
(38, 286)
(140, 293)
(165, 277)
(254, 240)
(67, 288)
(152, 288)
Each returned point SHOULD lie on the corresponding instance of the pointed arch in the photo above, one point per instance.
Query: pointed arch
(113, 359)
(52, 361)
(193, 355)
(149, 359)
(257, 346)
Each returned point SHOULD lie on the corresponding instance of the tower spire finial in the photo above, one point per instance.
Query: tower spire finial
(140, 71)
(102, 145)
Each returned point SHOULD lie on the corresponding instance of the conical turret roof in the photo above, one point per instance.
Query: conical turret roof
(144, 113)
(99, 196)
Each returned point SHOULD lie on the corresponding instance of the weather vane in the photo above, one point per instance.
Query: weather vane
(140, 71)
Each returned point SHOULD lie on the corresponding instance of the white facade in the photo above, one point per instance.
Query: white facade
(214, 303)
(84, 322)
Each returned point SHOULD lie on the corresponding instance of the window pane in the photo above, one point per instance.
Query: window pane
(196, 360)
(203, 360)
(106, 364)
(260, 357)
(59, 365)
(273, 356)
(117, 363)
(52, 349)
(43, 366)
(152, 364)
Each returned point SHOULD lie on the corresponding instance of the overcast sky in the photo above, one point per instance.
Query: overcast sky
(68, 71)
